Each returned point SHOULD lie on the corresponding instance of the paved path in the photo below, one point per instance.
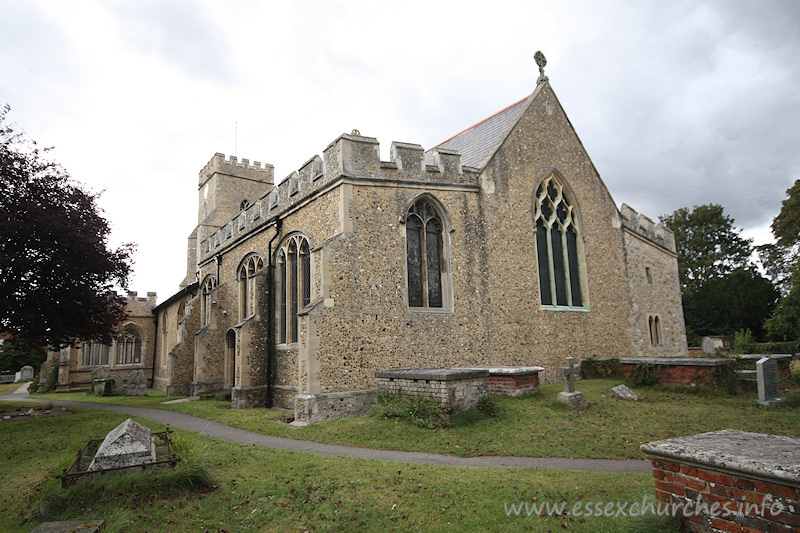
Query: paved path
(222, 431)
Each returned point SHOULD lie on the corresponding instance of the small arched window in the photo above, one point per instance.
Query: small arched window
(129, 347)
(558, 246)
(425, 255)
(294, 285)
(209, 284)
(246, 275)
(95, 353)
(654, 325)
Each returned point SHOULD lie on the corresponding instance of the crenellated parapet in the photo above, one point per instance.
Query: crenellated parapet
(646, 228)
(234, 167)
(350, 157)
(137, 305)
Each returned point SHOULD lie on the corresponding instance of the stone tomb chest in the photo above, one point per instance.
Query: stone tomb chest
(455, 388)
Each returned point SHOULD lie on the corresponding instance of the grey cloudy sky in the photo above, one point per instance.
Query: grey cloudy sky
(678, 103)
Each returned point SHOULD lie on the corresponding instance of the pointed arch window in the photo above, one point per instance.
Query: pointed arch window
(425, 255)
(248, 299)
(209, 284)
(129, 347)
(293, 286)
(558, 246)
(95, 353)
(654, 325)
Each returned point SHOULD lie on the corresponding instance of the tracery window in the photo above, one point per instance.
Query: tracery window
(424, 255)
(129, 347)
(209, 284)
(294, 286)
(558, 246)
(246, 275)
(95, 353)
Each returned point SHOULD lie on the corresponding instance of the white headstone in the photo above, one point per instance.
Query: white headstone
(769, 393)
(26, 373)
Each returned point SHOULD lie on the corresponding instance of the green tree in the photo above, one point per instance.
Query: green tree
(708, 244)
(13, 357)
(735, 301)
(58, 277)
(785, 322)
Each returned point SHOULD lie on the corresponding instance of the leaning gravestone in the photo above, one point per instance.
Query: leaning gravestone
(136, 384)
(769, 393)
(570, 395)
(625, 393)
(102, 382)
(128, 444)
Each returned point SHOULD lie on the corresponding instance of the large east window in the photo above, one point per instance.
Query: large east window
(558, 246)
(293, 286)
(425, 264)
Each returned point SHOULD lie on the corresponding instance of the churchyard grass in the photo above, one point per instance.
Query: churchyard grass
(275, 490)
(8, 388)
(534, 426)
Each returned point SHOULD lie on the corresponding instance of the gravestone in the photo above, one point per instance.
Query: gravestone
(25, 373)
(708, 345)
(136, 384)
(769, 393)
(102, 382)
(625, 393)
(570, 395)
(128, 444)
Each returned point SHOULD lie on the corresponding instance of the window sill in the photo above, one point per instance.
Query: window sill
(564, 308)
(431, 310)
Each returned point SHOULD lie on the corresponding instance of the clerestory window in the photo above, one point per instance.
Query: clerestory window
(425, 255)
(293, 286)
(248, 299)
(558, 246)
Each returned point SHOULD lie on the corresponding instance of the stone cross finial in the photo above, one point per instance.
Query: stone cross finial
(541, 61)
(569, 373)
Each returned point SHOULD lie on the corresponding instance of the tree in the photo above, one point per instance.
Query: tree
(723, 305)
(57, 274)
(708, 244)
(13, 357)
(785, 321)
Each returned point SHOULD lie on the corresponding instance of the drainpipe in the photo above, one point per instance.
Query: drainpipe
(271, 341)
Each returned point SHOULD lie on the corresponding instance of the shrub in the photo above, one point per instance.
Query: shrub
(592, 368)
(419, 410)
(644, 375)
(743, 342)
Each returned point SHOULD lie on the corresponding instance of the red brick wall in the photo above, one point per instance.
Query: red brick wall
(677, 374)
(677, 482)
(512, 385)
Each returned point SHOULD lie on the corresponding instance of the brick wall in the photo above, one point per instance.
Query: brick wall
(677, 374)
(678, 482)
(512, 385)
(457, 394)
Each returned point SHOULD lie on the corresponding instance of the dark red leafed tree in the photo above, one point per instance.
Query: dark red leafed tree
(58, 276)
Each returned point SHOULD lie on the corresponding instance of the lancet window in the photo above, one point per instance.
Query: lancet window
(293, 286)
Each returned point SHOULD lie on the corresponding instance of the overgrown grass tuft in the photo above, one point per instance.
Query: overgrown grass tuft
(427, 413)
(191, 473)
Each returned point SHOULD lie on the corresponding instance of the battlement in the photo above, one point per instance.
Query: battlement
(138, 305)
(646, 228)
(233, 167)
(350, 156)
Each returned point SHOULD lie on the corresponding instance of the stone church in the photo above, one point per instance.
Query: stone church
(499, 246)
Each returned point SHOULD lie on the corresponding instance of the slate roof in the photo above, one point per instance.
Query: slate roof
(477, 142)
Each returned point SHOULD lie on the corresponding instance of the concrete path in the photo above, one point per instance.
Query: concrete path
(222, 431)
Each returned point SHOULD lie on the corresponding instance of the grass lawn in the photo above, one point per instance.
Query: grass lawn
(8, 388)
(273, 490)
(535, 426)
